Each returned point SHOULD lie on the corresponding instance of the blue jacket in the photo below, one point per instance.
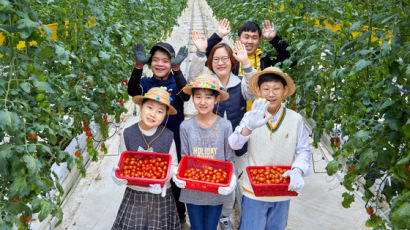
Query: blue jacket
(174, 83)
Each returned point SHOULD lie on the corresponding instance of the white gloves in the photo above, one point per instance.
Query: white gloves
(178, 182)
(256, 117)
(228, 190)
(296, 180)
(156, 189)
(117, 180)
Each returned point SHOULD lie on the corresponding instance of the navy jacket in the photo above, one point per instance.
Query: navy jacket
(174, 84)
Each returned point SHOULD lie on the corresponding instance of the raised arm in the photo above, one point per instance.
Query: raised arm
(197, 65)
(223, 29)
(134, 87)
(241, 56)
(178, 76)
(269, 32)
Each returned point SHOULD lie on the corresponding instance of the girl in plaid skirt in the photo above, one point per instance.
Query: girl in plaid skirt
(150, 207)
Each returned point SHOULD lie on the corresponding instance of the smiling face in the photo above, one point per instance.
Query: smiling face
(152, 114)
(251, 40)
(221, 62)
(204, 100)
(274, 92)
(161, 64)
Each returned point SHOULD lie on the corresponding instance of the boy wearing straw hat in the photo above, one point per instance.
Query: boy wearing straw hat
(205, 135)
(275, 136)
(150, 207)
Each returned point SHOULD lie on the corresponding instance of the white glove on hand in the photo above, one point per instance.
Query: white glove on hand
(155, 188)
(228, 190)
(296, 180)
(178, 182)
(256, 117)
(117, 180)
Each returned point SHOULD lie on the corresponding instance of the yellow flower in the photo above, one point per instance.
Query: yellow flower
(33, 43)
(1, 55)
(2, 38)
(21, 45)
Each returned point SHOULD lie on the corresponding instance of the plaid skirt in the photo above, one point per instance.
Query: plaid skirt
(144, 210)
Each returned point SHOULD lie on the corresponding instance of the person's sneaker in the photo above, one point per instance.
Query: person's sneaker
(225, 223)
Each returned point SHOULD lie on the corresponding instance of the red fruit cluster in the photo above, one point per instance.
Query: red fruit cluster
(121, 102)
(154, 168)
(124, 82)
(208, 174)
(269, 175)
(32, 136)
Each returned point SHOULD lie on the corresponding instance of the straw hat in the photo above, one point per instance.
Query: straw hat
(253, 81)
(206, 81)
(159, 94)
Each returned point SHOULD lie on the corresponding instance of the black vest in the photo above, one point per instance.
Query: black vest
(133, 139)
(235, 108)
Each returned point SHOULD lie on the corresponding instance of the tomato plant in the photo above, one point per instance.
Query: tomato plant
(350, 65)
(62, 67)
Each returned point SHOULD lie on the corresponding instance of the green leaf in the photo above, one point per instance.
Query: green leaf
(361, 64)
(31, 164)
(9, 121)
(406, 128)
(347, 200)
(44, 85)
(62, 54)
(5, 150)
(45, 209)
(387, 104)
(26, 25)
(332, 167)
(19, 187)
(401, 216)
(52, 138)
(26, 87)
(367, 157)
(103, 55)
(394, 124)
(5, 119)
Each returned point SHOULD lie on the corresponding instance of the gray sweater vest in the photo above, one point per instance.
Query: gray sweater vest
(133, 139)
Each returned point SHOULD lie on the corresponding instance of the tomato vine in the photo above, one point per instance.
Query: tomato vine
(53, 84)
(351, 70)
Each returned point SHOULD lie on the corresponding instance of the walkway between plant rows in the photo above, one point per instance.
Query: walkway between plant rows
(95, 200)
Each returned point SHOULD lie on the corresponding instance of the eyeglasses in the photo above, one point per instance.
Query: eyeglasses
(224, 59)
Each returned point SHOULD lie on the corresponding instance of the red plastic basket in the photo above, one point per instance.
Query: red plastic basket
(270, 189)
(198, 162)
(144, 182)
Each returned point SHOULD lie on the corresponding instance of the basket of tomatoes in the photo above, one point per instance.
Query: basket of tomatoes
(144, 168)
(268, 180)
(205, 175)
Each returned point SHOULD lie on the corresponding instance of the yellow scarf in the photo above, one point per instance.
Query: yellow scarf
(255, 61)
